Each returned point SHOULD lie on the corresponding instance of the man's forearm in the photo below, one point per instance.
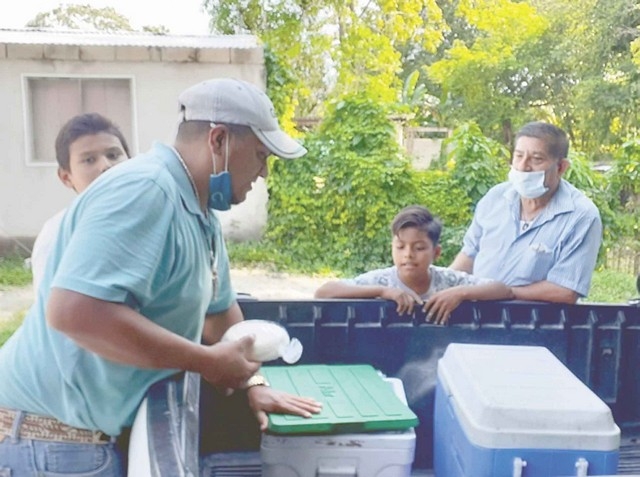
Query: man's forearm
(545, 291)
(462, 262)
(120, 334)
(215, 325)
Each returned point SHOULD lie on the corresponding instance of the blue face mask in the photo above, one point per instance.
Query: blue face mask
(220, 192)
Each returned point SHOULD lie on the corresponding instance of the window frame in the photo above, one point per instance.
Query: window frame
(28, 117)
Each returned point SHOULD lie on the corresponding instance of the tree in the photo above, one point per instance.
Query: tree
(82, 17)
(332, 47)
(485, 76)
(86, 17)
(595, 43)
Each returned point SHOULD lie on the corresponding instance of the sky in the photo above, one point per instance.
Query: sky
(182, 17)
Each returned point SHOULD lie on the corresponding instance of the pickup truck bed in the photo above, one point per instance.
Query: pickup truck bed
(600, 344)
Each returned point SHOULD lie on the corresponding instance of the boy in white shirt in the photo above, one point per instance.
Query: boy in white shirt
(86, 146)
(413, 279)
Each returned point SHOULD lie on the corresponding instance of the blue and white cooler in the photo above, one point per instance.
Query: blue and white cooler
(517, 411)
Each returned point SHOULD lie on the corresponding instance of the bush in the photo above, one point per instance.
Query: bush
(451, 242)
(444, 197)
(334, 205)
(476, 163)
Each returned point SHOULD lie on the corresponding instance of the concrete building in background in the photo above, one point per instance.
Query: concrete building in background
(48, 76)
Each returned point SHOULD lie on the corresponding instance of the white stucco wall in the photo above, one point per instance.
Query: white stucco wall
(30, 193)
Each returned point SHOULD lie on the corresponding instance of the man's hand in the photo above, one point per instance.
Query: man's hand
(264, 399)
(226, 364)
(405, 300)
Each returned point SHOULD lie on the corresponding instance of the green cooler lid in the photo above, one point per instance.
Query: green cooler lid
(355, 399)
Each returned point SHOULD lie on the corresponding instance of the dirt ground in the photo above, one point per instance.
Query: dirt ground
(258, 283)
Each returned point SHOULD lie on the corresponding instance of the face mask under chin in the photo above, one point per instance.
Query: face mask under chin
(220, 190)
(220, 194)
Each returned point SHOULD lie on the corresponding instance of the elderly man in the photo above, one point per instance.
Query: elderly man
(139, 277)
(536, 232)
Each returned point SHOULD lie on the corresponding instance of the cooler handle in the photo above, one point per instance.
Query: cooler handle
(518, 465)
(336, 471)
(582, 465)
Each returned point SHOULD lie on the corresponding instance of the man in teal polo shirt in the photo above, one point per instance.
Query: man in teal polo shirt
(139, 275)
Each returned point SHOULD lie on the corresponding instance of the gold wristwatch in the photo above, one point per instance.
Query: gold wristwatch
(257, 380)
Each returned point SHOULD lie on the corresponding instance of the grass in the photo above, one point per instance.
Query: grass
(610, 286)
(7, 327)
(13, 272)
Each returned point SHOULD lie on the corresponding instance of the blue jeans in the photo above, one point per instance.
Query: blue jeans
(35, 458)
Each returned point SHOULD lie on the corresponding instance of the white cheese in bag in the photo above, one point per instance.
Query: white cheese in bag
(271, 340)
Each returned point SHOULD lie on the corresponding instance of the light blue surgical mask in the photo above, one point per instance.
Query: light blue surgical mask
(220, 191)
(529, 185)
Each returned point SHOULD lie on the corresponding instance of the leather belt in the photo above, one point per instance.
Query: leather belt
(42, 428)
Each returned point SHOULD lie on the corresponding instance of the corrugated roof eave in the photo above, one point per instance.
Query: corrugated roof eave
(32, 36)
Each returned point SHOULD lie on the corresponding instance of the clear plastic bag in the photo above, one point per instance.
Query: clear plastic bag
(271, 340)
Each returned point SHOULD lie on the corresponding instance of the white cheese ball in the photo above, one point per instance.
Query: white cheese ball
(271, 341)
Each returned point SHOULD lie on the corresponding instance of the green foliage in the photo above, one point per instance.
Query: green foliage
(486, 75)
(451, 243)
(592, 183)
(262, 255)
(594, 186)
(610, 286)
(335, 204)
(358, 46)
(582, 175)
(624, 176)
(281, 86)
(444, 197)
(623, 196)
(476, 162)
(13, 272)
(8, 327)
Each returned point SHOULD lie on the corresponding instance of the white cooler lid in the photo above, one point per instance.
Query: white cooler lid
(523, 397)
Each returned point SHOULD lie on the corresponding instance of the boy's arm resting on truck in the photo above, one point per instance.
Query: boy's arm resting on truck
(340, 289)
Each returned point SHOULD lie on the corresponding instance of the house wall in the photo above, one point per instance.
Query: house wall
(31, 193)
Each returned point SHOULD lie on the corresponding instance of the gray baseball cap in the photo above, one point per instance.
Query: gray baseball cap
(233, 101)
